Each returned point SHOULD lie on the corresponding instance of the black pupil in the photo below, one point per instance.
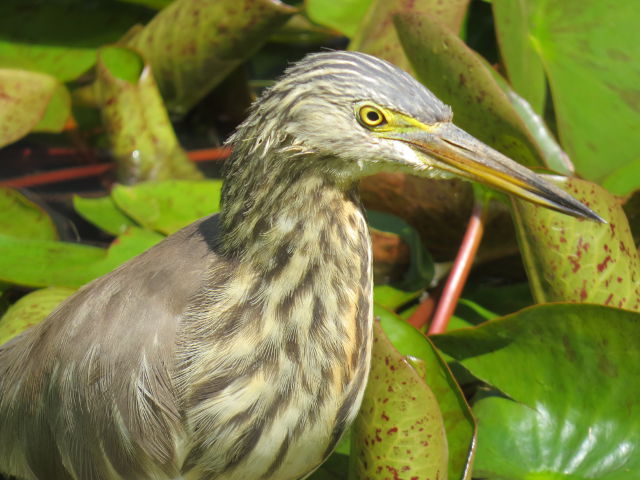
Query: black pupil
(373, 116)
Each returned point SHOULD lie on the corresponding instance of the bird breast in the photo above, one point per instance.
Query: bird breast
(275, 367)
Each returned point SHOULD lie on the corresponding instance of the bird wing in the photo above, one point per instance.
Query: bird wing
(91, 388)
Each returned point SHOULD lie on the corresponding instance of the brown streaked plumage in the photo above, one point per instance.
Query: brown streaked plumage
(238, 348)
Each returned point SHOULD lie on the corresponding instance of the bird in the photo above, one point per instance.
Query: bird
(239, 347)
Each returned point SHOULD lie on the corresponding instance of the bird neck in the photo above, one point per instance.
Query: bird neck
(269, 213)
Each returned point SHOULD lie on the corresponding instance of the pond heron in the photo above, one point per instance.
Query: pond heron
(239, 347)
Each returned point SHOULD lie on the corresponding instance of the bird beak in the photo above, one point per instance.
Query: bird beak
(457, 152)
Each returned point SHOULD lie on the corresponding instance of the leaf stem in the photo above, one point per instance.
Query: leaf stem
(461, 267)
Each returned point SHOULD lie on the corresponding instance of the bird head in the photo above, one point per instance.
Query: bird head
(354, 115)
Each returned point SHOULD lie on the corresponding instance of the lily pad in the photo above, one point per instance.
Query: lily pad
(377, 34)
(399, 430)
(67, 264)
(344, 16)
(22, 218)
(168, 206)
(591, 57)
(24, 101)
(458, 421)
(140, 132)
(61, 38)
(103, 213)
(566, 404)
(523, 65)
(569, 259)
(457, 75)
(192, 45)
(31, 310)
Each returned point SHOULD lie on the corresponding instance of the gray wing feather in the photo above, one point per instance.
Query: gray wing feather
(89, 393)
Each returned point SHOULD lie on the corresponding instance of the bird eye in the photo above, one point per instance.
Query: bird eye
(371, 116)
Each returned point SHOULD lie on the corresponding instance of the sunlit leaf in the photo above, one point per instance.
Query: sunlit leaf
(23, 102)
(59, 38)
(591, 56)
(377, 34)
(554, 157)
(577, 260)
(103, 213)
(399, 429)
(22, 218)
(31, 310)
(458, 421)
(40, 263)
(141, 135)
(168, 206)
(624, 180)
(568, 408)
(344, 16)
(460, 78)
(193, 45)
(391, 298)
(524, 68)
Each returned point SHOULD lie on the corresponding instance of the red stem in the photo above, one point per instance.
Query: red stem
(33, 180)
(460, 270)
(57, 176)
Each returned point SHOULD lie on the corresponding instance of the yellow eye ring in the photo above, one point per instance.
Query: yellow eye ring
(371, 116)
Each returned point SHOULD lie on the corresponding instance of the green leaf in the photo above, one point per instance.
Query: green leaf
(122, 63)
(192, 45)
(524, 68)
(344, 16)
(103, 213)
(569, 259)
(399, 428)
(21, 218)
(421, 266)
(67, 264)
(377, 34)
(168, 206)
(57, 112)
(568, 373)
(624, 180)
(458, 421)
(141, 135)
(392, 298)
(502, 299)
(336, 467)
(554, 157)
(457, 75)
(591, 56)
(24, 101)
(58, 38)
(31, 310)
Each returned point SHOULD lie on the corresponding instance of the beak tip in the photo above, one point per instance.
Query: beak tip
(599, 219)
(588, 214)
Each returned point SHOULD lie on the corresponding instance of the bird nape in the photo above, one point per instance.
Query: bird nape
(239, 347)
